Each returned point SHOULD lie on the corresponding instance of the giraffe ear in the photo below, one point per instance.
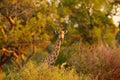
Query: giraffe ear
(65, 31)
(56, 32)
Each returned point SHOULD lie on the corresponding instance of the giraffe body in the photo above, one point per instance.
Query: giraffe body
(52, 57)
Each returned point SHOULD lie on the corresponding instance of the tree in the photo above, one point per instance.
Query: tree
(82, 18)
(26, 26)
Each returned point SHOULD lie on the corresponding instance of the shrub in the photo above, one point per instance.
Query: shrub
(99, 60)
(42, 72)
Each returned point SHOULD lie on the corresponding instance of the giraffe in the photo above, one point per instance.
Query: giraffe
(51, 58)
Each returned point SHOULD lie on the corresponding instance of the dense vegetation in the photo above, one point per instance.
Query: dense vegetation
(90, 50)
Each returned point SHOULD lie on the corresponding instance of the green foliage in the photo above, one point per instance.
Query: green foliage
(44, 17)
(42, 72)
(78, 12)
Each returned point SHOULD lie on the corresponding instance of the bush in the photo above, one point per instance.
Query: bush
(99, 60)
(42, 72)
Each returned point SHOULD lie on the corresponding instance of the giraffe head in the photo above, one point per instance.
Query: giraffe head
(61, 35)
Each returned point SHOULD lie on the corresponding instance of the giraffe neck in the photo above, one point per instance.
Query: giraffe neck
(55, 52)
